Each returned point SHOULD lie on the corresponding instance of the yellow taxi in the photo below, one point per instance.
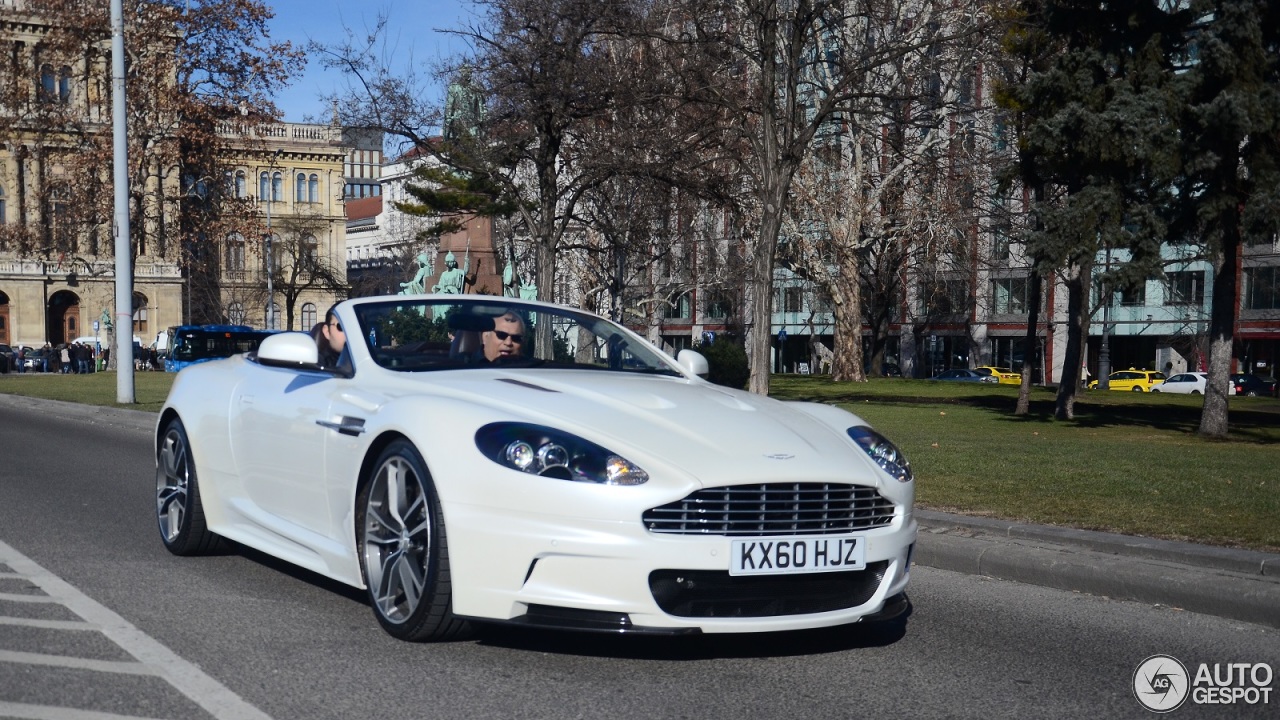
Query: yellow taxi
(1132, 380)
(1004, 375)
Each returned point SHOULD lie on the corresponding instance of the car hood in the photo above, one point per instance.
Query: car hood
(704, 429)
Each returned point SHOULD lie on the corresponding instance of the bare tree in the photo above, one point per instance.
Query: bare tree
(298, 266)
(770, 68)
(859, 192)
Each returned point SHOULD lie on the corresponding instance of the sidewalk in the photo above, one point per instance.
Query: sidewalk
(1236, 584)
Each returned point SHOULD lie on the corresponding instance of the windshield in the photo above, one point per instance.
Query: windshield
(417, 334)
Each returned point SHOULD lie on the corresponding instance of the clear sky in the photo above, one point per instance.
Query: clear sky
(413, 36)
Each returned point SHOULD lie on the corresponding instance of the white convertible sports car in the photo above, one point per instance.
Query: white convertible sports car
(471, 458)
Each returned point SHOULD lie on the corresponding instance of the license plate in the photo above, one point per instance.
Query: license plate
(799, 554)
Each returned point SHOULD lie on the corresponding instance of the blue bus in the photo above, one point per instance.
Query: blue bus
(191, 344)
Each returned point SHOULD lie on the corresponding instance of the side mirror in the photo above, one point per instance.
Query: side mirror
(288, 349)
(693, 362)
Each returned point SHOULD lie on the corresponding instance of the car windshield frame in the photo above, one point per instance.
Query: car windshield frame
(431, 333)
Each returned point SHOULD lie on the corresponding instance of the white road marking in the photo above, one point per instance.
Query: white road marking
(41, 712)
(153, 658)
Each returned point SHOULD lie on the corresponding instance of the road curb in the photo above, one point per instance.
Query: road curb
(1236, 584)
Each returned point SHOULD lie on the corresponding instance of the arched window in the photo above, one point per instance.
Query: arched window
(48, 83)
(235, 252)
(264, 186)
(140, 315)
(310, 249)
(309, 316)
(241, 189)
(236, 314)
(272, 244)
(313, 188)
(300, 188)
(64, 85)
(277, 187)
(271, 317)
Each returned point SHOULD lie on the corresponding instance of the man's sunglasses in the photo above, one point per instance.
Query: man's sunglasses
(515, 337)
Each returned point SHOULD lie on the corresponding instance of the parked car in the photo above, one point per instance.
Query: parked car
(460, 462)
(1132, 380)
(1004, 376)
(34, 359)
(964, 375)
(1251, 385)
(7, 355)
(1188, 383)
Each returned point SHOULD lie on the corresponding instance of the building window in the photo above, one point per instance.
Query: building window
(313, 188)
(309, 315)
(1184, 288)
(272, 243)
(1009, 296)
(235, 252)
(300, 188)
(1134, 295)
(678, 309)
(277, 187)
(236, 314)
(264, 186)
(1001, 242)
(64, 85)
(792, 300)
(718, 306)
(59, 219)
(241, 184)
(1262, 288)
(311, 249)
(2, 218)
(271, 316)
(48, 83)
(140, 315)
(944, 297)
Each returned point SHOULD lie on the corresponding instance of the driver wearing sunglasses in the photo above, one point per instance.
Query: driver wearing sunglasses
(505, 340)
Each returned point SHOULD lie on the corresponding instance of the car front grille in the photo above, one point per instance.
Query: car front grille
(715, 593)
(773, 509)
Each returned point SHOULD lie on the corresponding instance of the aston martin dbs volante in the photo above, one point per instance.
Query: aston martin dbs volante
(472, 458)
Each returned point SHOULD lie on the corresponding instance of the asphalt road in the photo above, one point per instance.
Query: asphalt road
(98, 621)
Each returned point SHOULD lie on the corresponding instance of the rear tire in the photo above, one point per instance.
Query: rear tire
(404, 551)
(179, 511)
(1195, 392)
(1137, 388)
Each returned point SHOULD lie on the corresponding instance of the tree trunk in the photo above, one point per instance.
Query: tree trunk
(1213, 416)
(1077, 302)
(1030, 346)
(759, 313)
(846, 363)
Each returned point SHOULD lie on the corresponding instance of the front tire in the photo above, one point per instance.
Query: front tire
(179, 511)
(404, 553)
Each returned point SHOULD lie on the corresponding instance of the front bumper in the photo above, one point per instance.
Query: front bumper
(602, 575)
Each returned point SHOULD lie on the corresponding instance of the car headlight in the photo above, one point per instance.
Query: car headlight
(544, 451)
(884, 453)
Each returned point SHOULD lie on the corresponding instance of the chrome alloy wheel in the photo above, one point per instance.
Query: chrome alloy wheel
(397, 539)
(173, 476)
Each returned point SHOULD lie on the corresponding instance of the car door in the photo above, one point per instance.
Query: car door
(278, 447)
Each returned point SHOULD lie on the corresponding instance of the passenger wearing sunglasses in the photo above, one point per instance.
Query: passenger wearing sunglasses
(505, 340)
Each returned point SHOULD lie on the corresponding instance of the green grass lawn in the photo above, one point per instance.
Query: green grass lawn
(1128, 463)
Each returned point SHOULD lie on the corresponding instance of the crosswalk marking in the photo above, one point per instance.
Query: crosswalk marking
(152, 657)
